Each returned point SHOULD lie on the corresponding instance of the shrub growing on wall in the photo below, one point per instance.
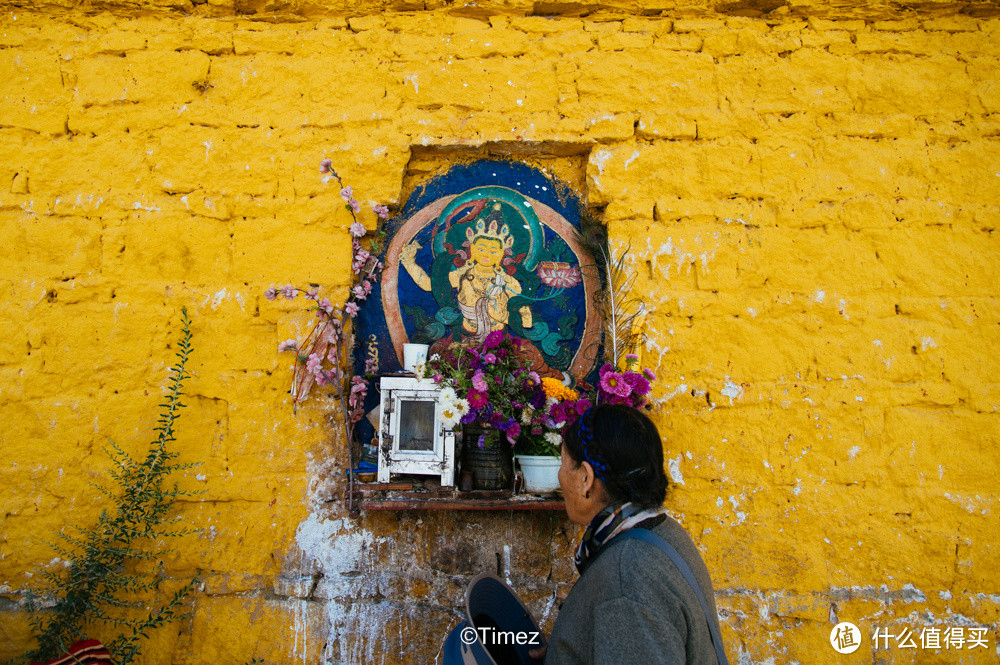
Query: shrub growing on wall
(98, 586)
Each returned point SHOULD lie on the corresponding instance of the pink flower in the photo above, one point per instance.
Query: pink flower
(288, 345)
(359, 292)
(367, 286)
(314, 365)
(357, 230)
(360, 259)
(353, 203)
(479, 382)
(359, 389)
(289, 291)
(380, 210)
(326, 166)
(352, 309)
(346, 193)
(648, 373)
(614, 384)
(326, 305)
(477, 400)
(491, 358)
(312, 293)
(271, 293)
(558, 274)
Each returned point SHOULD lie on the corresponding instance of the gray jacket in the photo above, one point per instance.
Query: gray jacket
(633, 606)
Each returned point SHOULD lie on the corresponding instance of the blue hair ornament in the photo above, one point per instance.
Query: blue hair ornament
(587, 440)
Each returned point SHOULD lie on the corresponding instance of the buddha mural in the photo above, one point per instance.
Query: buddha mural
(483, 287)
(464, 261)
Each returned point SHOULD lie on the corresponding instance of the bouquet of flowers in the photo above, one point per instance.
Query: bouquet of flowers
(629, 386)
(493, 384)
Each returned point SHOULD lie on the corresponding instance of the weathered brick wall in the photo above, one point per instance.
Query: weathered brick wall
(810, 198)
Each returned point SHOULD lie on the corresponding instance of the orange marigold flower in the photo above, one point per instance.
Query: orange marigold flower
(556, 390)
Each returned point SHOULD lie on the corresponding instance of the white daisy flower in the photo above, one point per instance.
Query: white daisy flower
(526, 415)
(449, 415)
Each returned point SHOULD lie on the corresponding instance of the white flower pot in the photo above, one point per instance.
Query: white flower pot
(541, 473)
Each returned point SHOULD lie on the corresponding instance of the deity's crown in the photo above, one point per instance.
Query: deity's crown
(491, 226)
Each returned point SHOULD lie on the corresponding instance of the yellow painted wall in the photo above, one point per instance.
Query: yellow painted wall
(811, 199)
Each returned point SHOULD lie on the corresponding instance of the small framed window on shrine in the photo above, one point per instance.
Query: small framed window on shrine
(412, 438)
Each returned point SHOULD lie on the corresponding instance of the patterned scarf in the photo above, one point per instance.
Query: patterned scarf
(607, 524)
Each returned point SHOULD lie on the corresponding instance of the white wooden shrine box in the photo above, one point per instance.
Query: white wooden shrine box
(411, 437)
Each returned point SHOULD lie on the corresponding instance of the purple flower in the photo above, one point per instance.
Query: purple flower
(493, 340)
(513, 432)
(491, 358)
(380, 210)
(357, 229)
(497, 420)
(352, 309)
(648, 373)
(346, 193)
(640, 385)
(271, 293)
(479, 382)
(289, 291)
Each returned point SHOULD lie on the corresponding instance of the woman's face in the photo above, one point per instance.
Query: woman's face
(580, 492)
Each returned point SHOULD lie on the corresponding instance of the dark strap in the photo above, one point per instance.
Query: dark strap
(685, 570)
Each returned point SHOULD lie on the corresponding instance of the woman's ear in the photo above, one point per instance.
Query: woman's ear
(587, 480)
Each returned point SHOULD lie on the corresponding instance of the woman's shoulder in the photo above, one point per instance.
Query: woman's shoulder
(644, 572)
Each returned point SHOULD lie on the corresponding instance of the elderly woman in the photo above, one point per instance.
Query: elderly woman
(632, 603)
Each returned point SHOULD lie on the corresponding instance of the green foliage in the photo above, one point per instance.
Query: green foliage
(99, 585)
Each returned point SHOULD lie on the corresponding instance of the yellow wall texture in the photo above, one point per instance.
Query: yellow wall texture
(811, 198)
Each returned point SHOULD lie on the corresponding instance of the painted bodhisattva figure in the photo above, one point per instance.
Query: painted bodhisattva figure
(484, 287)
